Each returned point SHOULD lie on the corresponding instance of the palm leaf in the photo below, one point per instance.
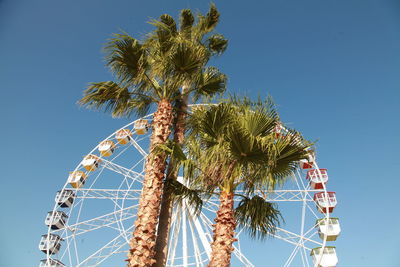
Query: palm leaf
(164, 32)
(212, 124)
(126, 58)
(186, 58)
(259, 123)
(186, 21)
(108, 95)
(259, 217)
(210, 21)
(210, 83)
(217, 44)
(288, 152)
(180, 192)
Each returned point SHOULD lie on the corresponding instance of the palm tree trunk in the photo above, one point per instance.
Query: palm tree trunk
(164, 224)
(224, 232)
(142, 244)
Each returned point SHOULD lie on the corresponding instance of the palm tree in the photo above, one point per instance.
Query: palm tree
(236, 147)
(137, 88)
(206, 82)
(153, 72)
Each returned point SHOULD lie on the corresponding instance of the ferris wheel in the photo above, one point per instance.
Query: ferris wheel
(92, 219)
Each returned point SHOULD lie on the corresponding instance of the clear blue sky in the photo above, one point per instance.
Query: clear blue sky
(331, 66)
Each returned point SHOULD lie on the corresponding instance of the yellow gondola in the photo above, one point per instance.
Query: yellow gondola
(91, 162)
(123, 136)
(106, 148)
(141, 126)
(77, 179)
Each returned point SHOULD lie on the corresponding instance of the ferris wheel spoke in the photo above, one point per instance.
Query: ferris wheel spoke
(122, 170)
(115, 194)
(310, 233)
(184, 235)
(303, 217)
(138, 147)
(292, 238)
(312, 211)
(106, 220)
(300, 247)
(204, 236)
(305, 257)
(241, 257)
(112, 247)
(292, 255)
(210, 206)
(197, 252)
(176, 220)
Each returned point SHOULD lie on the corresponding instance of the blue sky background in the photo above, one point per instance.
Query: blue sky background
(331, 66)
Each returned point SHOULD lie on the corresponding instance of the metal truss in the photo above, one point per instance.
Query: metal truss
(293, 238)
(112, 247)
(299, 195)
(275, 196)
(113, 194)
(122, 170)
(107, 220)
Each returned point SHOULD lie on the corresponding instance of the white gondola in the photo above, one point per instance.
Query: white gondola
(65, 198)
(91, 162)
(328, 228)
(141, 126)
(318, 178)
(51, 263)
(326, 202)
(106, 148)
(123, 136)
(77, 179)
(50, 243)
(324, 257)
(56, 220)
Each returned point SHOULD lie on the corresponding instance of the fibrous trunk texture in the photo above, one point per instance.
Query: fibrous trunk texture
(224, 232)
(142, 244)
(164, 224)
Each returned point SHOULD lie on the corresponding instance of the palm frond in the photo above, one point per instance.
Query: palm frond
(287, 153)
(259, 123)
(180, 192)
(213, 123)
(186, 58)
(210, 21)
(259, 217)
(217, 44)
(206, 24)
(186, 21)
(245, 147)
(126, 58)
(169, 23)
(210, 83)
(108, 95)
(140, 103)
(164, 33)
